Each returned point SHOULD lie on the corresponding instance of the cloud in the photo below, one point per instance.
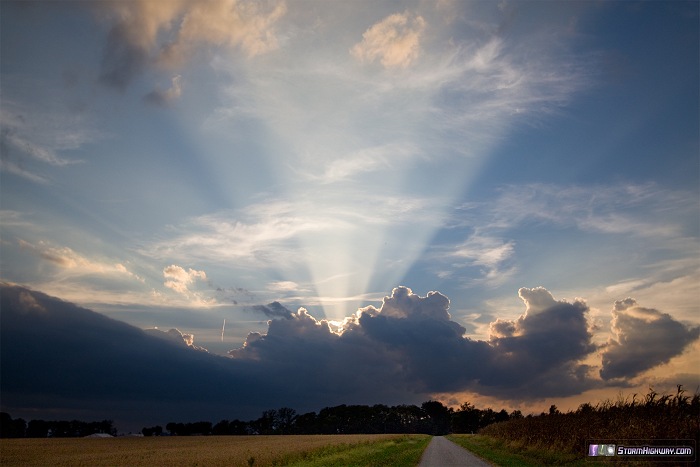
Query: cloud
(618, 209)
(9, 166)
(10, 139)
(60, 358)
(133, 36)
(234, 23)
(273, 310)
(403, 303)
(163, 98)
(422, 350)
(135, 42)
(394, 41)
(180, 279)
(499, 233)
(380, 158)
(268, 233)
(53, 353)
(71, 263)
(176, 337)
(34, 138)
(490, 254)
(642, 339)
(285, 287)
(27, 139)
(548, 341)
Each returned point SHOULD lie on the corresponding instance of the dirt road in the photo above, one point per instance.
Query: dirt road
(441, 452)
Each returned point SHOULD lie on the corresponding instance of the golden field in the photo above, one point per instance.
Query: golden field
(171, 451)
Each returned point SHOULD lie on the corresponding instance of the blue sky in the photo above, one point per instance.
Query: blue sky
(173, 164)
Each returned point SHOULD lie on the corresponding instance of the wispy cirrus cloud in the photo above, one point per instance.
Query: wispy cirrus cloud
(492, 255)
(34, 141)
(622, 209)
(71, 263)
(269, 232)
(44, 133)
(384, 158)
(490, 234)
(85, 278)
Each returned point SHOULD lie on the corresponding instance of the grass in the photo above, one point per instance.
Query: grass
(502, 453)
(207, 450)
(404, 451)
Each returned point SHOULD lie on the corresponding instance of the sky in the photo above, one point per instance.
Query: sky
(313, 203)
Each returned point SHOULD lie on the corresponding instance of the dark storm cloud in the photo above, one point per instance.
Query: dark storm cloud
(58, 356)
(415, 345)
(303, 355)
(644, 338)
(55, 355)
(551, 336)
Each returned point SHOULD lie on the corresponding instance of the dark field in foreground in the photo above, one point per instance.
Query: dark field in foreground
(190, 451)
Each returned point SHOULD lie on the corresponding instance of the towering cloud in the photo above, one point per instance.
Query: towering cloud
(414, 340)
(541, 351)
(642, 339)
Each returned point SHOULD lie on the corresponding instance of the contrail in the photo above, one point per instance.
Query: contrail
(223, 328)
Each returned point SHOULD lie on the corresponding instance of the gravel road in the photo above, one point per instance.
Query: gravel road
(441, 452)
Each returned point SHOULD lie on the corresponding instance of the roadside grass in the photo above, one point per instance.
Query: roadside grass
(402, 451)
(503, 453)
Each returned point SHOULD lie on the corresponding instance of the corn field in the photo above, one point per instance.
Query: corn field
(652, 417)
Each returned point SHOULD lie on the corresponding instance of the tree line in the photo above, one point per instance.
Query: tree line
(432, 418)
(19, 428)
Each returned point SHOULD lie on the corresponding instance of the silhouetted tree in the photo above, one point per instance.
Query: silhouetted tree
(466, 419)
(12, 428)
(38, 429)
(438, 418)
(265, 425)
(306, 424)
(152, 431)
(68, 429)
(285, 420)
